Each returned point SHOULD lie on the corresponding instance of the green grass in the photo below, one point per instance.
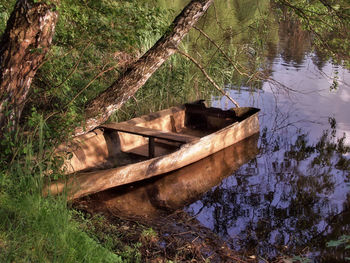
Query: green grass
(34, 228)
(177, 81)
(38, 229)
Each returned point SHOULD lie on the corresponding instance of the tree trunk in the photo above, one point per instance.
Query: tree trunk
(104, 105)
(23, 46)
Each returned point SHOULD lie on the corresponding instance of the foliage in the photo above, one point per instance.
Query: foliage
(343, 240)
(93, 43)
(5, 9)
(176, 82)
(301, 259)
(243, 31)
(328, 21)
(111, 236)
(34, 228)
(90, 38)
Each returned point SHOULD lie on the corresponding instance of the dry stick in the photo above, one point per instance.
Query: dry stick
(208, 77)
(90, 82)
(259, 77)
(48, 57)
(216, 17)
(81, 91)
(221, 51)
(75, 67)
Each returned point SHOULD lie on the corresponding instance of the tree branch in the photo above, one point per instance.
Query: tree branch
(104, 105)
(208, 77)
(221, 51)
(75, 66)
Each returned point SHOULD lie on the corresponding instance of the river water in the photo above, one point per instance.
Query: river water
(294, 196)
(284, 194)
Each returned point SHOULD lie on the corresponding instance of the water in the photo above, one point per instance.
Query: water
(280, 195)
(294, 196)
(286, 194)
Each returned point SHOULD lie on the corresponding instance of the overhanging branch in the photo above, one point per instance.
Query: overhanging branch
(104, 105)
(216, 86)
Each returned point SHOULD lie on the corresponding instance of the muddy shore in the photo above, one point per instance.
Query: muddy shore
(173, 237)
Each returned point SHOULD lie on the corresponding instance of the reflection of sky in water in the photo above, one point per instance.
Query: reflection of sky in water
(307, 104)
(275, 200)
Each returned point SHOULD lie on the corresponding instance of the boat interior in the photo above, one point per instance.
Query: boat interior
(153, 135)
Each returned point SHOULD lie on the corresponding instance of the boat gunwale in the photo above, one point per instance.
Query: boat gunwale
(74, 184)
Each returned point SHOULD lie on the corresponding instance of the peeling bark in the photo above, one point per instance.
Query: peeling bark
(104, 105)
(23, 46)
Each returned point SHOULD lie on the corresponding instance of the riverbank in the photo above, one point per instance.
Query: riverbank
(172, 238)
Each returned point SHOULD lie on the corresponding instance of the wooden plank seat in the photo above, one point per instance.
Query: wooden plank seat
(151, 134)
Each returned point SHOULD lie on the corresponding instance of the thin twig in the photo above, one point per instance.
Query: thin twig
(221, 51)
(216, 17)
(75, 66)
(90, 82)
(49, 57)
(77, 95)
(208, 77)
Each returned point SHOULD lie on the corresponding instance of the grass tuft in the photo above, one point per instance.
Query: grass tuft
(34, 228)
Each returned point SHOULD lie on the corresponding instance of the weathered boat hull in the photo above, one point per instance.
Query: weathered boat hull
(176, 189)
(82, 184)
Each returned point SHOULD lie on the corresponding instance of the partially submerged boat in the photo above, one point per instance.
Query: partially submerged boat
(162, 195)
(120, 153)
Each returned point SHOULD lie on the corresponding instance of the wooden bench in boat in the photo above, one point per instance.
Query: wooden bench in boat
(151, 134)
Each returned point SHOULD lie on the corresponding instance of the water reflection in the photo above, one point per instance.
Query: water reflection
(174, 190)
(294, 43)
(284, 200)
(295, 196)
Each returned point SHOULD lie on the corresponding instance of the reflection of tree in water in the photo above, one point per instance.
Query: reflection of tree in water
(287, 199)
(295, 42)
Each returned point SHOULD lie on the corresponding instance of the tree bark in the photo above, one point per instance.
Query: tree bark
(105, 104)
(23, 46)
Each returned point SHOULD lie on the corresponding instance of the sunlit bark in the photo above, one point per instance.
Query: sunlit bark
(23, 46)
(105, 104)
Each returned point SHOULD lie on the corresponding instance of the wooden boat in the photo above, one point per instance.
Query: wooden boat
(120, 153)
(176, 189)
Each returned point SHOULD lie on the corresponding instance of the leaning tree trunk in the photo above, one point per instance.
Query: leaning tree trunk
(23, 46)
(106, 103)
